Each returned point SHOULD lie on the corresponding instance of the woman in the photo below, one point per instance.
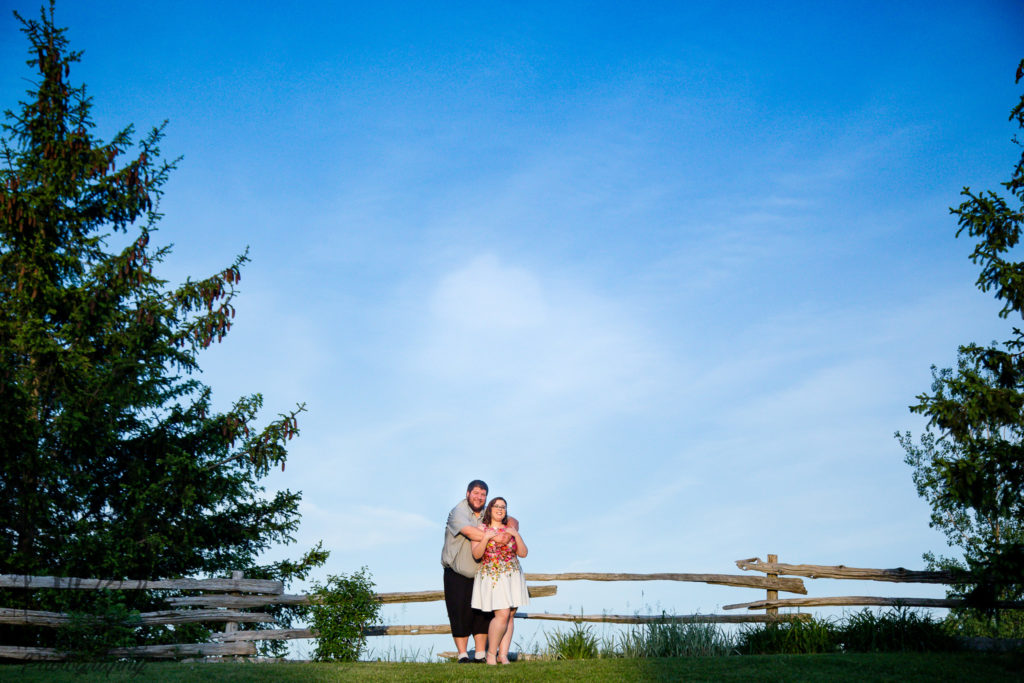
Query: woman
(499, 585)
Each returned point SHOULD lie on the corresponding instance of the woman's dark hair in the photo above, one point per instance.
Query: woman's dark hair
(487, 513)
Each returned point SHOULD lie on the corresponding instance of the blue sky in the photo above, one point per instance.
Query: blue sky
(666, 277)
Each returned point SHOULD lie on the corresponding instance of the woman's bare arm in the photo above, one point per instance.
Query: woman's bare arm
(520, 544)
(480, 545)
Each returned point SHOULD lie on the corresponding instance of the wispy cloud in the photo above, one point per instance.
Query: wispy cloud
(528, 340)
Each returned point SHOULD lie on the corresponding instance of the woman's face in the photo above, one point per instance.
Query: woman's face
(498, 511)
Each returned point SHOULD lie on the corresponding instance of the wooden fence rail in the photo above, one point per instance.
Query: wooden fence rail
(64, 582)
(301, 633)
(817, 571)
(25, 617)
(225, 607)
(788, 585)
(867, 601)
(241, 602)
(46, 654)
(664, 618)
(403, 630)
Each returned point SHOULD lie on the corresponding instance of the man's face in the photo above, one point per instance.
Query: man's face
(476, 497)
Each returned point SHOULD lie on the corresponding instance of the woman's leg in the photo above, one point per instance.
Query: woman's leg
(506, 640)
(495, 633)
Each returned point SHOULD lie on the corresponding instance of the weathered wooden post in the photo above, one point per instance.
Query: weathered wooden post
(772, 594)
(232, 626)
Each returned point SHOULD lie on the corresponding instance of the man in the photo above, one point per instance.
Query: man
(460, 568)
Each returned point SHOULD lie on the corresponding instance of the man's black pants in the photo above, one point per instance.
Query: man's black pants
(458, 594)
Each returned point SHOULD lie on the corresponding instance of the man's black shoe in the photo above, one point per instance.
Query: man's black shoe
(464, 659)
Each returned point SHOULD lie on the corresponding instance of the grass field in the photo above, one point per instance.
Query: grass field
(832, 667)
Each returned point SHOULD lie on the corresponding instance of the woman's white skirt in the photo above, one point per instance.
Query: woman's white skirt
(508, 590)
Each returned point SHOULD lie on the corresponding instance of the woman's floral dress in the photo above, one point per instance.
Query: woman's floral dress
(499, 583)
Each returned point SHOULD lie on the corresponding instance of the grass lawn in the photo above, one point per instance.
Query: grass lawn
(833, 667)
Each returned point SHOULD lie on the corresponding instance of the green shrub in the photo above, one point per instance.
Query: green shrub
(579, 643)
(790, 638)
(346, 606)
(898, 630)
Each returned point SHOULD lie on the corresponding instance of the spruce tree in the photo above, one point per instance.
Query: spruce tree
(971, 464)
(113, 463)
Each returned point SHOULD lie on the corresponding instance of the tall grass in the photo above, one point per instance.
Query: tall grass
(578, 643)
(675, 638)
(814, 636)
(668, 638)
(396, 654)
(899, 630)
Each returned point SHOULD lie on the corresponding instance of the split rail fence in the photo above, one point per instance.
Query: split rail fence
(225, 601)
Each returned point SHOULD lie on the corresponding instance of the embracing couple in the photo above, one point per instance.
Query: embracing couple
(483, 583)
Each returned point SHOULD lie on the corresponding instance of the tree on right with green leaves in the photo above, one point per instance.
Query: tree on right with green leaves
(966, 529)
(969, 464)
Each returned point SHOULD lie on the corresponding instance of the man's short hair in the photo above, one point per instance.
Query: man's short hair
(477, 484)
